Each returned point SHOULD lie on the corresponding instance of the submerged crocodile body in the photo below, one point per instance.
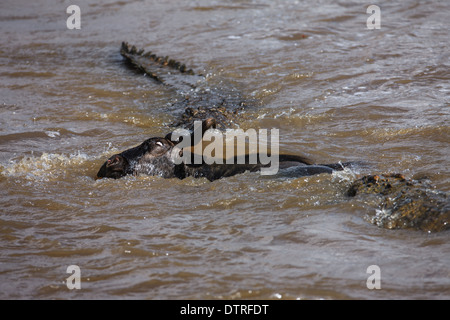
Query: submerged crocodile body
(196, 101)
(403, 203)
(397, 202)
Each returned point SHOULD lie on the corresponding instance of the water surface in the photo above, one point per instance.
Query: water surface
(336, 90)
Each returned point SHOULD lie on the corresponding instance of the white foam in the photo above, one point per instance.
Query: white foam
(44, 166)
(347, 175)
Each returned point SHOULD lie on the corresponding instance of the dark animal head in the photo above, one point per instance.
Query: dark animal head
(139, 159)
(115, 167)
(154, 156)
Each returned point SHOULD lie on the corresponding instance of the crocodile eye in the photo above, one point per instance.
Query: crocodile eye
(159, 143)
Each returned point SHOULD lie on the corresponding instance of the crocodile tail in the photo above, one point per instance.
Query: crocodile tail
(156, 67)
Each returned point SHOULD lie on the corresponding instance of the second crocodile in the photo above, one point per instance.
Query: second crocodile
(402, 203)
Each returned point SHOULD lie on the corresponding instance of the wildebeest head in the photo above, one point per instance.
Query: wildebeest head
(152, 157)
(115, 167)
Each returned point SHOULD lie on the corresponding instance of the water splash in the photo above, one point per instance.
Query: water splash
(46, 167)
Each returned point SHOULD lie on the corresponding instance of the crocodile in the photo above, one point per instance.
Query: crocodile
(196, 100)
(402, 203)
(397, 202)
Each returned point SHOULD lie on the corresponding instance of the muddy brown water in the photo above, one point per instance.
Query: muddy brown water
(336, 90)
